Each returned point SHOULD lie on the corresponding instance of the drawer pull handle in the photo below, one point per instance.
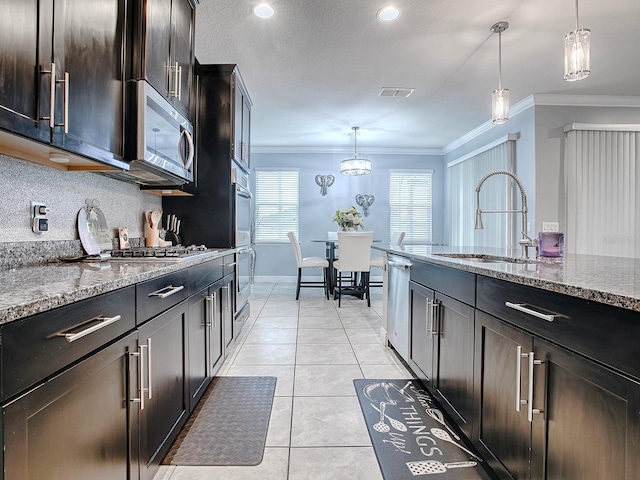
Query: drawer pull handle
(230, 264)
(166, 291)
(521, 307)
(104, 321)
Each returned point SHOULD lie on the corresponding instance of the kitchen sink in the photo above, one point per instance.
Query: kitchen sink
(482, 258)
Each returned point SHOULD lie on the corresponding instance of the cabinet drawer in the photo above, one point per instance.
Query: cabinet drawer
(602, 332)
(204, 275)
(38, 346)
(453, 283)
(157, 295)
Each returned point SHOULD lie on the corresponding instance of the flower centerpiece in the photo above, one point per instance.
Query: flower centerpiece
(348, 219)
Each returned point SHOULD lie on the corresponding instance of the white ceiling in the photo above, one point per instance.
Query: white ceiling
(314, 69)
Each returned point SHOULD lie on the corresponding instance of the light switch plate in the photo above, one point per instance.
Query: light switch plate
(550, 226)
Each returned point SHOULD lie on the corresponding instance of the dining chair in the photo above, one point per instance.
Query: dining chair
(396, 240)
(355, 257)
(309, 262)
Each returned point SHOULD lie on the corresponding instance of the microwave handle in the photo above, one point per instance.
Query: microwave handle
(243, 192)
(189, 160)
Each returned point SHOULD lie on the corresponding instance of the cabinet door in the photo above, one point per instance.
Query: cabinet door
(77, 426)
(182, 35)
(215, 349)
(246, 133)
(88, 53)
(422, 344)
(227, 314)
(500, 432)
(198, 325)
(166, 404)
(157, 43)
(454, 366)
(590, 418)
(22, 64)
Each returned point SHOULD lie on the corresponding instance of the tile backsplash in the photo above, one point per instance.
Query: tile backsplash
(64, 194)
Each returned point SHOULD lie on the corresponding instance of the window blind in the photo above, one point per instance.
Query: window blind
(410, 200)
(276, 205)
(601, 190)
(498, 193)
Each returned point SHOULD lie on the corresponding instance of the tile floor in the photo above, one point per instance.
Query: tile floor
(316, 430)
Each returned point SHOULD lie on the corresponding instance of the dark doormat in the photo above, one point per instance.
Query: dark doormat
(229, 424)
(410, 434)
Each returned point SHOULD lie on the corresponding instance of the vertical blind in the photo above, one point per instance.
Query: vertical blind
(276, 205)
(497, 193)
(410, 198)
(601, 194)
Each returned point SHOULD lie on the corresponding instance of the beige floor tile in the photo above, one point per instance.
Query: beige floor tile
(273, 467)
(368, 335)
(322, 335)
(328, 421)
(356, 322)
(319, 322)
(271, 335)
(352, 463)
(266, 354)
(386, 371)
(325, 380)
(325, 354)
(375, 355)
(279, 433)
(277, 322)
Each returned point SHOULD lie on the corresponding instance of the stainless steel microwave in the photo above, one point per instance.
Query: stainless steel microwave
(159, 144)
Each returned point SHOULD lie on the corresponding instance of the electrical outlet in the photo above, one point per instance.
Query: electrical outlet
(550, 226)
(39, 220)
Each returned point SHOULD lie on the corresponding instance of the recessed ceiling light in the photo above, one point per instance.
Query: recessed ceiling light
(263, 10)
(388, 14)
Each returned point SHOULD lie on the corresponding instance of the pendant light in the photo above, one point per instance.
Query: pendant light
(355, 165)
(500, 97)
(577, 53)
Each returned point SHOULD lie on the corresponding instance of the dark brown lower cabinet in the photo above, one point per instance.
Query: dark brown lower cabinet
(162, 344)
(442, 350)
(564, 417)
(80, 424)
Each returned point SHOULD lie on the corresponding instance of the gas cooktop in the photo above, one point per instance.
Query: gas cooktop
(175, 253)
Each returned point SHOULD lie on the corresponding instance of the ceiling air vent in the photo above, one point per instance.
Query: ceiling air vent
(395, 92)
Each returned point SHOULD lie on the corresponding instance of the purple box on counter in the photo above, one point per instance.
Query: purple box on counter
(551, 244)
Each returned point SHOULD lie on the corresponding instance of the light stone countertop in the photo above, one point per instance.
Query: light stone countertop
(609, 280)
(34, 289)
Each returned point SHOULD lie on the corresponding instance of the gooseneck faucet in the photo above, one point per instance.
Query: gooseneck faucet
(525, 242)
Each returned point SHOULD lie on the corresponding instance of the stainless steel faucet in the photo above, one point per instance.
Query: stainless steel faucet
(525, 242)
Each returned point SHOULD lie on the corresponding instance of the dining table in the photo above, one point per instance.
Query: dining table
(331, 246)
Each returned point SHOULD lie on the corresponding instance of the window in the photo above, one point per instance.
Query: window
(497, 194)
(410, 204)
(276, 205)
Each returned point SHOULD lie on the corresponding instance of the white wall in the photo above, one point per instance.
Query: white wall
(316, 211)
(64, 193)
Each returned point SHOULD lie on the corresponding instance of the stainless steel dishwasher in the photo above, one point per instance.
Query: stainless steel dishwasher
(397, 311)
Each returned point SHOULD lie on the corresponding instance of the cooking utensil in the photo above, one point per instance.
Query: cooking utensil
(442, 435)
(401, 427)
(381, 426)
(370, 388)
(428, 467)
(437, 416)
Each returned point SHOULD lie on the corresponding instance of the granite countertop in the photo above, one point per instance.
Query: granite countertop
(34, 289)
(609, 280)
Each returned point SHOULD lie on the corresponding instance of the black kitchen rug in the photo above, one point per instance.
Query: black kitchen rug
(229, 424)
(410, 434)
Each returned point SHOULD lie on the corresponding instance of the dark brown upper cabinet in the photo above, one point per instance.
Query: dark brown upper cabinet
(163, 39)
(62, 74)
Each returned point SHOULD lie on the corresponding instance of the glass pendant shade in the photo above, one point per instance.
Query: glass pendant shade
(355, 165)
(500, 106)
(577, 55)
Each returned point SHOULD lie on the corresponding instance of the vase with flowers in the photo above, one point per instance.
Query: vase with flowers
(348, 219)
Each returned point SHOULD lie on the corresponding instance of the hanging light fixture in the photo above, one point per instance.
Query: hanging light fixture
(577, 53)
(500, 97)
(355, 165)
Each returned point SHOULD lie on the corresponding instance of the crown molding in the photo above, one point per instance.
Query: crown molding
(552, 99)
(345, 150)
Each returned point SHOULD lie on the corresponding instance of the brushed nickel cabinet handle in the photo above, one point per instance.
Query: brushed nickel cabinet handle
(521, 308)
(149, 368)
(166, 291)
(530, 409)
(52, 96)
(104, 322)
(519, 356)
